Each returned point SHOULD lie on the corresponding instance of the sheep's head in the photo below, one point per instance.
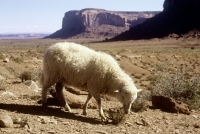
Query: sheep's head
(127, 95)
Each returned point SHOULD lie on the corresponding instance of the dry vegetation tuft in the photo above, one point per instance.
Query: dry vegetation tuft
(30, 75)
(178, 85)
(3, 85)
(117, 116)
(141, 103)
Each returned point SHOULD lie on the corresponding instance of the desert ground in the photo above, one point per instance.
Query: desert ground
(138, 58)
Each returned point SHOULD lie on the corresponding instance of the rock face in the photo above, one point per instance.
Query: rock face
(6, 121)
(170, 105)
(178, 17)
(75, 100)
(178, 3)
(99, 22)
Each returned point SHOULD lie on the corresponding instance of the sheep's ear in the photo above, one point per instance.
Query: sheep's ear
(139, 90)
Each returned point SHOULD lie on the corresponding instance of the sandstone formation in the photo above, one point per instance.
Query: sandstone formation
(170, 105)
(170, 3)
(6, 121)
(92, 23)
(178, 17)
(74, 100)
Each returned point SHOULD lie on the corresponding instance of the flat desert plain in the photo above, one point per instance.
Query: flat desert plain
(141, 59)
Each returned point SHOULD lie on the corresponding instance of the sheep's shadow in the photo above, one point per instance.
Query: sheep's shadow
(51, 111)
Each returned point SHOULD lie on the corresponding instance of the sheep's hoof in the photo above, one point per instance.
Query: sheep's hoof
(67, 108)
(84, 113)
(103, 118)
(44, 107)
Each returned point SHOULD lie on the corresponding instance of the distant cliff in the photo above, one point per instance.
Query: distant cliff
(179, 3)
(93, 23)
(178, 17)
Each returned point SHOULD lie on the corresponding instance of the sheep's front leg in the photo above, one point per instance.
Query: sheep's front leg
(101, 113)
(86, 104)
(61, 97)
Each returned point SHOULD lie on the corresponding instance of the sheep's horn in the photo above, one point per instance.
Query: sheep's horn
(139, 90)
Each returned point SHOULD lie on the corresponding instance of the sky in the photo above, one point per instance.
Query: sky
(45, 16)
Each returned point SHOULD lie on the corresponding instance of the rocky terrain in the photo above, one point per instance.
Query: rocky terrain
(20, 106)
(98, 23)
(179, 17)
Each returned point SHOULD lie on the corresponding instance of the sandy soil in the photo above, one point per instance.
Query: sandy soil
(137, 58)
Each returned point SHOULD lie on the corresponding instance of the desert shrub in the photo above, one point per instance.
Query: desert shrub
(117, 116)
(18, 60)
(3, 85)
(138, 76)
(178, 86)
(151, 78)
(141, 103)
(36, 74)
(1, 56)
(6, 73)
(27, 75)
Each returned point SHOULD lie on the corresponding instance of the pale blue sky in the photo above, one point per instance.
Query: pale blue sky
(32, 16)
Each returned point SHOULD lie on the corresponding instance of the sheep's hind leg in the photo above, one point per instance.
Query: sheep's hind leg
(86, 104)
(61, 97)
(44, 97)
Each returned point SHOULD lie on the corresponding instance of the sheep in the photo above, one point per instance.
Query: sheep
(96, 72)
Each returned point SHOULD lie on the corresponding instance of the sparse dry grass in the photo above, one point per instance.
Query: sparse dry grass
(181, 86)
(30, 75)
(3, 85)
(6, 73)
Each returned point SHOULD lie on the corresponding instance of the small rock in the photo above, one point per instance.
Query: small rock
(100, 132)
(7, 93)
(166, 117)
(167, 122)
(27, 126)
(195, 116)
(145, 123)
(46, 120)
(139, 123)
(32, 85)
(17, 121)
(53, 121)
(177, 131)
(128, 124)
(6, 60)
(52, 132)
(5, 121)
(42, 118)
(1, 78)
(196, 125)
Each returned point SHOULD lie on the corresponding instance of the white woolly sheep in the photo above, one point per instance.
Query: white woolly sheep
(81, 67)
